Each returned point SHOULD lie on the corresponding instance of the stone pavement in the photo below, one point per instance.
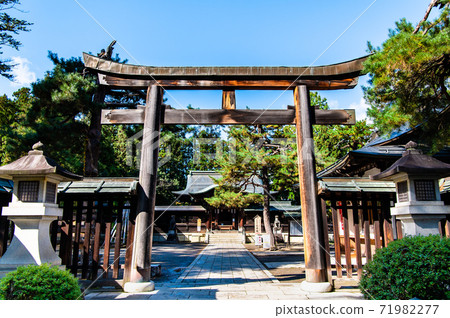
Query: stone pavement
(225, 271)
(226, 263)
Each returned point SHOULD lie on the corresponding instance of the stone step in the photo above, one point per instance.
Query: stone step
(227, 237)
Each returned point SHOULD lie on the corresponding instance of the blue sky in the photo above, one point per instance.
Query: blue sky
(224, 33)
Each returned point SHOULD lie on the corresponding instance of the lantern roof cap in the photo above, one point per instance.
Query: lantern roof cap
(36, 164)
(413, 161)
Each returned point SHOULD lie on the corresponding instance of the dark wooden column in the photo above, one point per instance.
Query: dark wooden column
(241, 218)
(208, 219)
(141, 266)
(228, 99)
(315, 265)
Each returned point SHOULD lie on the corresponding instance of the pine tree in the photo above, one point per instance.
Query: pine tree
(9, 27)
(409, 77)
(256, 156)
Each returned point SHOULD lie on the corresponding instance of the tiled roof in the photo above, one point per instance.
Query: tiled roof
(99, 186)
(354, 185)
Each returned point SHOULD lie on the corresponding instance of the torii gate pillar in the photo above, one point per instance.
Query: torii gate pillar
(140, 274)
(317, 279)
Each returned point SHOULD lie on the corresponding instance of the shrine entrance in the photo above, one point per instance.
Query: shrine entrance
(301, 80)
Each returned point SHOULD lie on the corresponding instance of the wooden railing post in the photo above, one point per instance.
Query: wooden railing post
(326, 239)
(65, 248)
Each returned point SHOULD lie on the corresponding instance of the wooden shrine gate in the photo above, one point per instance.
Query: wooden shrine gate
(301, 80)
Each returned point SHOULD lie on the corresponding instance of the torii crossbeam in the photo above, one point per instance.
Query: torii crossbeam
(299, 79)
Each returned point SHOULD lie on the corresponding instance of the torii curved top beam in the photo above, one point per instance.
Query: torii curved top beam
(118, 75)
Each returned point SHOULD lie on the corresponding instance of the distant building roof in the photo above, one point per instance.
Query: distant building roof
(179, 208)
(200, 182)
(357, 162)
(284, 207)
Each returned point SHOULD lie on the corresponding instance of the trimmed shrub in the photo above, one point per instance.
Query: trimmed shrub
(412, 267)
(41, 282)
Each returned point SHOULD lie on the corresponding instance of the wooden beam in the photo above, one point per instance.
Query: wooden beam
(313, 236)
(229, 116)
(228, 99)
(116, 82)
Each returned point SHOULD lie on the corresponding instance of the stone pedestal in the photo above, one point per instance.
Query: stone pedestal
(31, 242)
(420, 217)
(324, 287)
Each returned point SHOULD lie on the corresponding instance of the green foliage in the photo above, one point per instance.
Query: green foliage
(114, 160)
(251, 148)
(57, 112)
(409, 78)
(207, 145)
(248, 150)
(17, 136)
(332, 142)
(229, 199)
(43, 282)
(407, 268)
(9, 27)
(175, 157)
(256, 156)
(60, 112)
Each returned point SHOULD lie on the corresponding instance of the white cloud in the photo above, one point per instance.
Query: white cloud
(361, 110)
(333, 103)
(23, 76)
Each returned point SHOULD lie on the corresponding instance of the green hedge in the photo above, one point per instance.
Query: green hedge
(411, 267)
(41, 282)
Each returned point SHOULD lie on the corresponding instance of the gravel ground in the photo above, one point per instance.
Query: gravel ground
(284, 255)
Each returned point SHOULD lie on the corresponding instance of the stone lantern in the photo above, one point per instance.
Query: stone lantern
(419, 204)
(33, 208)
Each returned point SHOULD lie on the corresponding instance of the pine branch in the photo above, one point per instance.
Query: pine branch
(432, 4)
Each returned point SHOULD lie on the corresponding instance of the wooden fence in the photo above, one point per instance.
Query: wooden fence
(362, 225)
(6, 226)
(94, 236)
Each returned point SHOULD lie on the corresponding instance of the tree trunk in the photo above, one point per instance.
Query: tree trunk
(94, 136)
(266, 205)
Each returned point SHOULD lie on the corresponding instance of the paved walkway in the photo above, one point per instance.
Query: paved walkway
(226, 263)
(225, 271)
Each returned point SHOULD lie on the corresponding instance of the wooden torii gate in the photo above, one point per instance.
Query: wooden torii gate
(228, 79)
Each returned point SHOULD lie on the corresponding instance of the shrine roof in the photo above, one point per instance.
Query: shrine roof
(201, 182)
(286, 207)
